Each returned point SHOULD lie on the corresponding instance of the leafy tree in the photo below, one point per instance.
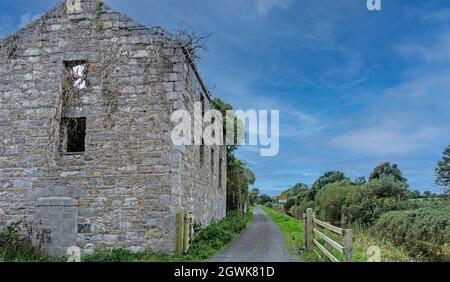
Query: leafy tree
(331, 199)
(414, 194)
(264, 199)
(254, 196)
(294, 191)
(443, 171)
(366, 203)
(360, 181)
(328, 178)
(239, 179)
(304, 201)
(223, 107)
(428, 194)
(290, 203)
(387, 169)
(239, 176)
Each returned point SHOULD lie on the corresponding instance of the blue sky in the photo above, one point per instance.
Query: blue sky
(354, 88)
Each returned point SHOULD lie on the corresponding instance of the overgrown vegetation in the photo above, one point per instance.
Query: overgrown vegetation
(8, 46)
(443, 171)
(425, 231)
(293, 231)
(97, 21)
(208, 241)
(239, 176)
(16, 244)
(217, 236)
(409, 225)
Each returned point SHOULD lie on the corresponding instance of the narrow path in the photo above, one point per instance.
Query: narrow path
(263, 241)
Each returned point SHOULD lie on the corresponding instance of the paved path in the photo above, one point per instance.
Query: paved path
(261, 242)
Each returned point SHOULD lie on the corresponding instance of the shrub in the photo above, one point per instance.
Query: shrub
(328, 178)
(296, 212)
(207, 242)
(331, 199)
(366, 203)
(290, 203)
(112, 255)
(216, 236)
(425, 232)
(16, 245)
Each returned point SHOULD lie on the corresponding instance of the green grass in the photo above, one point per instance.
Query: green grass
(364, 239)
(201, 250)
(293, 231)
(208, 242)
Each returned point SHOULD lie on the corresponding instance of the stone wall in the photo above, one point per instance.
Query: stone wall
(131, 180)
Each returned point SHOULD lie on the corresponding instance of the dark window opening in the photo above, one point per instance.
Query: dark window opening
(220, 171)
(212, 160)
(84, 228)
(202, 146)
(202, 153)
(73, 135)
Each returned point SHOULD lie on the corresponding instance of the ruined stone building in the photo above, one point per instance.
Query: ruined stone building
(86, 97)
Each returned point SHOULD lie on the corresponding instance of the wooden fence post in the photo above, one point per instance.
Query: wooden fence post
(304, 235)
(309, 234)
(348, 245)
(187, 232)
(179, 234)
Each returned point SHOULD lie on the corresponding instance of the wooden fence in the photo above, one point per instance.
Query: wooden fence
(184, 233)
(311, 232)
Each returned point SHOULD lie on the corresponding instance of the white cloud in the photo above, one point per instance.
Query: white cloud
(265, 6)
(429, 15)
(384, 140)
(437, 51)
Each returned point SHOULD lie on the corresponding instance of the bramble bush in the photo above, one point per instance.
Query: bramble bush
(366, 203)
(425, 232)
(16, 246)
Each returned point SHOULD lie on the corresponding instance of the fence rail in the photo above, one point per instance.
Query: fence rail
(311, 233)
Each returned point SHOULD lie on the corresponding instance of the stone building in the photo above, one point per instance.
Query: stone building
(86, 157)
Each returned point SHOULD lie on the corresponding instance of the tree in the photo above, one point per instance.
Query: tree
(387, 169)
(264, 199)
(239, 179)
(239, 176)
(331, 199)
(254, 196)
(328, 178)
(294, 191)
(443, 171)
(289, 204)
(367, 202)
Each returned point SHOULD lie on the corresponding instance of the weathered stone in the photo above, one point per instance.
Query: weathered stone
(130, 181)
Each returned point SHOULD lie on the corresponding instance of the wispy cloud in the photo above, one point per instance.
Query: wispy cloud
(265, 6)
(436, 51)
(378, 141)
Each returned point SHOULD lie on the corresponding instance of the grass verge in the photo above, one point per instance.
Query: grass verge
(208, 242)
(293, 231)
